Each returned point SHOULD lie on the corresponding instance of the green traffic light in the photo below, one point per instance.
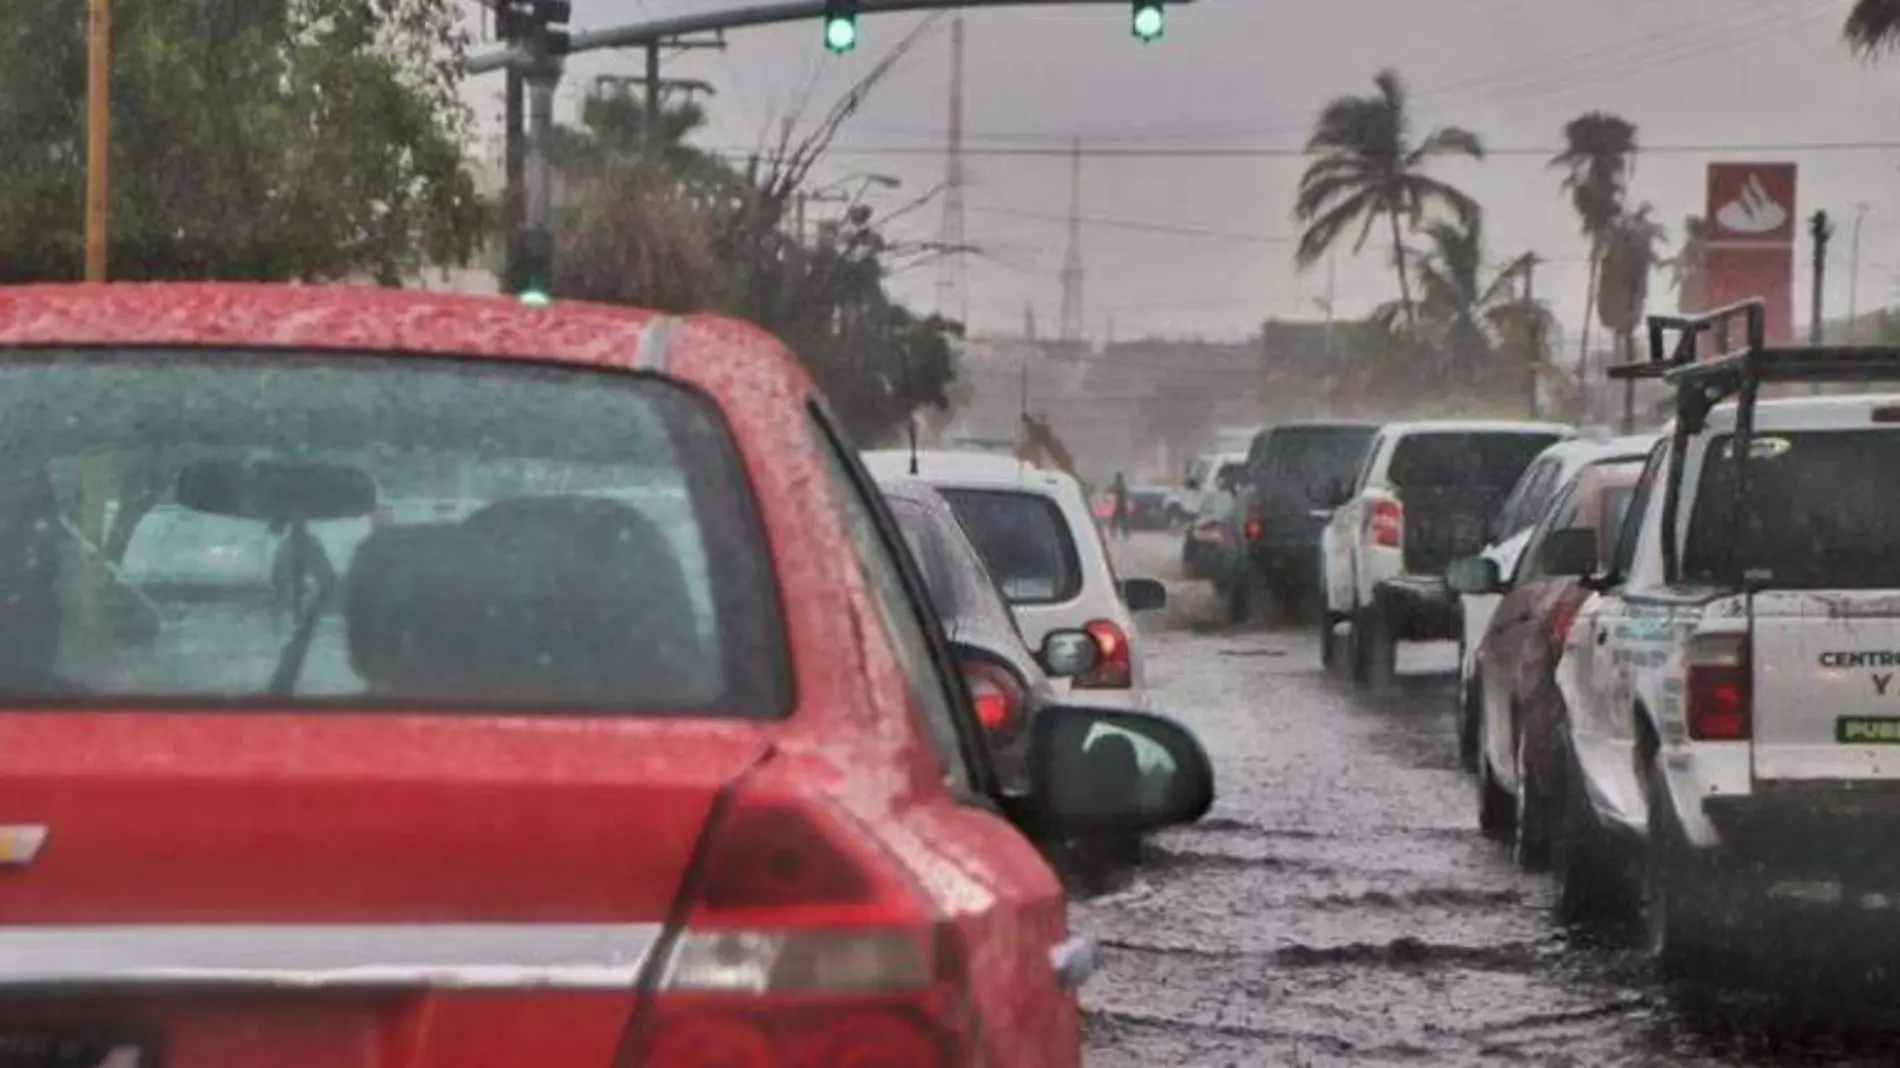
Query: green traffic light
(841, 33)
(1150, 22)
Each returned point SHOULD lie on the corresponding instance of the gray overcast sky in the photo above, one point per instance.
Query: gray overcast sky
(1185, 246)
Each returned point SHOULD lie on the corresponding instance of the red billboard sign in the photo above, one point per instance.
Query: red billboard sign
(1750, 227)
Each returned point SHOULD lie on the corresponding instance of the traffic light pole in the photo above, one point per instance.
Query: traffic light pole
(541, 71)
(639, 34)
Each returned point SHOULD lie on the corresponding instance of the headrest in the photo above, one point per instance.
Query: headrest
(399, 609)
(541, 601)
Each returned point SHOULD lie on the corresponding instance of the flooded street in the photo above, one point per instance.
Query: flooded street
(1339, 906)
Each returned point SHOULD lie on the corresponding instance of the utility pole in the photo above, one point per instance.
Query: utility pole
(1533, 336)
(514, 166)
(1821, 230)
(1853, 275)
(98, 136)
(538, 30)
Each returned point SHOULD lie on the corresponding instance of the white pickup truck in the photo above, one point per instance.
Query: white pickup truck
(1733, 688)
(1425, 496)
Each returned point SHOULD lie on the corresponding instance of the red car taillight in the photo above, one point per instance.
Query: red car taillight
(999, 697)
(1385, 522)
(1114, 665)
(1564, 615)
(1718, 688)
(1256, 528)
(804, 947)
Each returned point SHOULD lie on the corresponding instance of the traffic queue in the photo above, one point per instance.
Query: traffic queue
(1676, 672)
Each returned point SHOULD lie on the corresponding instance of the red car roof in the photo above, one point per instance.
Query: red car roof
(249, 315)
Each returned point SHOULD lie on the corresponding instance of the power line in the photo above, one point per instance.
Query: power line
(1203, 152)
(1664, 46)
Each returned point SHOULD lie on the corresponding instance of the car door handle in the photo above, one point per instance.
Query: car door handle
(1074, 960)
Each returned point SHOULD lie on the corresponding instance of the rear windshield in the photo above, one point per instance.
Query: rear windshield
(1304, 456)
(1024, 542)
(1821, 512)
(1496, 460)
(235, 529)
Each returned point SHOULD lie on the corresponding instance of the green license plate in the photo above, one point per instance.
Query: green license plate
(1867, 730)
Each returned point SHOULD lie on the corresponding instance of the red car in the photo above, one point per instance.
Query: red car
(1520, 749)
(655, 758)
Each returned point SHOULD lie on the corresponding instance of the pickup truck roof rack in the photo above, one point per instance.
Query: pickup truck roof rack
(1740, 372)
(1701, 384)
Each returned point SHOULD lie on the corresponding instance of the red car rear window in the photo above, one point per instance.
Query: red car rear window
(281, 529)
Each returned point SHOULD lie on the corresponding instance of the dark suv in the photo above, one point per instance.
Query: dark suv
(1280, 527)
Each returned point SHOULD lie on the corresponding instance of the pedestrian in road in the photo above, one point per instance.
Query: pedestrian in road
(1119, 489)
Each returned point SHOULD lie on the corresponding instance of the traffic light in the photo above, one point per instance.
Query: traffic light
(1150, 20)
(551, 36)
(542, 24)
(841, 26)
(533, 262)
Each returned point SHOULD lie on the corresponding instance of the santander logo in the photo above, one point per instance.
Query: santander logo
(1752, 211)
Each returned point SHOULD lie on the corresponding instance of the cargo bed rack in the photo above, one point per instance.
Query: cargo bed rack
(1701, 384)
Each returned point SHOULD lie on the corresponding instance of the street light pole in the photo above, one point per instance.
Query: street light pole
(1853, 275)
(98, 138)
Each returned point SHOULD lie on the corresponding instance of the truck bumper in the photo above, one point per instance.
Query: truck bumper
(1832, 831)
(1420, 608)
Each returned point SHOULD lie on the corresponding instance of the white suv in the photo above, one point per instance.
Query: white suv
(1043, 549)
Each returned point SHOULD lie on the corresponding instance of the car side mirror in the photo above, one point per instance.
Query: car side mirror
(1094, 771)
(1066, 654)
(1144, 595)
(1570, 553)
(1474, 576)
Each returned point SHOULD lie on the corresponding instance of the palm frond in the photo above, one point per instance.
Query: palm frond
(1448, 141)
(1872, 27)
(1324, 230)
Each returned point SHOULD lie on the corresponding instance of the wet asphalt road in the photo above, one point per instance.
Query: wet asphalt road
(1338, 906)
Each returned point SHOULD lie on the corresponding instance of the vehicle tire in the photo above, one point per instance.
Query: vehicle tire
(1496, 819)
(1685, 901)
(1466, 715)
(1375, 652)
(1530, 844)
(1332, 652)
(1593, 877)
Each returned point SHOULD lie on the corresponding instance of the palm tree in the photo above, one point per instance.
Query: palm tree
(1598, 157)
(1467, 313)
(1687, 265)
(1872, 26)
(1369, 168)
(1631, 251)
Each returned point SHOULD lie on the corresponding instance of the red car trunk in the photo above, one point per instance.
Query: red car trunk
(280, 889)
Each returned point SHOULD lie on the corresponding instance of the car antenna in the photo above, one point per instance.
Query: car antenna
(913, 444)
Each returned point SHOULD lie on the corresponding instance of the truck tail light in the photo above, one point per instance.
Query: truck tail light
(1719, 697)
(1385, 523)
(804, 947)
(1114, 664)
(1256, 526)
(999, 697)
